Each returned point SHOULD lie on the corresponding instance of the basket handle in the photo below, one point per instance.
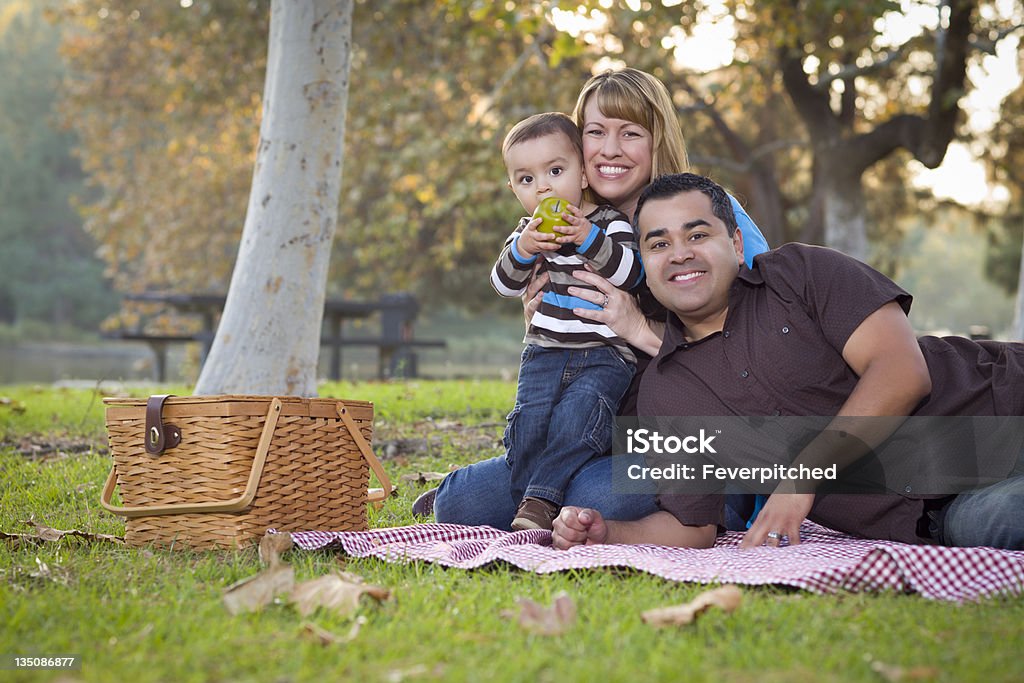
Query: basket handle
(372, 495)
(234, 505)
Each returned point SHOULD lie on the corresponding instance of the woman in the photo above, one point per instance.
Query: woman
(630, 135)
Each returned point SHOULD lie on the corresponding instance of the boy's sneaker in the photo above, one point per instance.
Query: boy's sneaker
(535, 513)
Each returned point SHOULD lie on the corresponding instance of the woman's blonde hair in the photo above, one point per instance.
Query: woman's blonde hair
(637, 96)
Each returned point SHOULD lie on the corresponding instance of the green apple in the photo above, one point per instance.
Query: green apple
(550, 210)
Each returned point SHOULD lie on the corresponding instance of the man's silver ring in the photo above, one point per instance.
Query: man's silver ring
(775, 535)
(605, 302)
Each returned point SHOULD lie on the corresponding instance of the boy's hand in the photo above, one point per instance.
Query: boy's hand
(577, 230)
(532, 242)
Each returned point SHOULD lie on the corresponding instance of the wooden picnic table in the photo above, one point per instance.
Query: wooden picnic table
(396, 342)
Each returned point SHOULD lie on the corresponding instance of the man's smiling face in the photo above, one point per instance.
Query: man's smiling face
(690, 259)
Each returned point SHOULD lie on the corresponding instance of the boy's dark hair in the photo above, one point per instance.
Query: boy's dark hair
(666, 186)
(539, 125)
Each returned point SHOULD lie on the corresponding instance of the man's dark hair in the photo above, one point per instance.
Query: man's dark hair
(666, 186)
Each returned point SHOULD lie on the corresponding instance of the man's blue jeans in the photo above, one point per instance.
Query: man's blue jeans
(478, 494)
(992, 516)
(564, 416)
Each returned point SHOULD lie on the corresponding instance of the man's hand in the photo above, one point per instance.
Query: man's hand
(781, 517)
(532, 242)
(578, 526)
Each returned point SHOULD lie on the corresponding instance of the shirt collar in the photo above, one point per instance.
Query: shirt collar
(751, 276)
(675, 333)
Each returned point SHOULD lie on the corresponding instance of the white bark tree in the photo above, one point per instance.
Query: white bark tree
(268, 340)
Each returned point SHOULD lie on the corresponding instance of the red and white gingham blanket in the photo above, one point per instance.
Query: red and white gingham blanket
(825, 562)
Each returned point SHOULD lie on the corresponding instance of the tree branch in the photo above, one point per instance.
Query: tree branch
(811, 104)
(730, 165)
(926, 137)
(485, 103)
(988, 45)
(736, 144)
(750, 161)
(852, 71)
(948, 84)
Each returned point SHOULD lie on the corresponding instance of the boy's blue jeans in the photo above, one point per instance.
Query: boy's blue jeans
(564, 416)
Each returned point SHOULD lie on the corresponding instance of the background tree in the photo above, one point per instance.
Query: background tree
(1006, 165)
(49, 270)
(162, 97)
(861, 94)
(268, 340)
(438, 84)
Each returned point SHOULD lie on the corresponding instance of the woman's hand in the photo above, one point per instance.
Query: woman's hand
(619, 311)
(534, 293)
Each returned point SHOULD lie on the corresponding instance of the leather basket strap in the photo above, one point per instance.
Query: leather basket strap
(159, 436)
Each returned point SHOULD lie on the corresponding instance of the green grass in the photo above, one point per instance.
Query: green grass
(153, 615)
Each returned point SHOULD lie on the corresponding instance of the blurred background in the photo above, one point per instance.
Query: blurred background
(128, 132)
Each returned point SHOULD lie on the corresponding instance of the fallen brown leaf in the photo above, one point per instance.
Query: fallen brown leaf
(325, 637)
(255, 592)
(45, 534)
(896, 674)
(548, 621)
(726, 598)
(272, 546)
(416, 671)
(16, 406)
(53, 446)
(339, 592)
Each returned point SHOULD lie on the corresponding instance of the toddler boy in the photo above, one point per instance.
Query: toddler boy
(574, 371)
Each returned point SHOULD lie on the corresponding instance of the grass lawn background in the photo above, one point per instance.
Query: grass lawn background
(154, 615)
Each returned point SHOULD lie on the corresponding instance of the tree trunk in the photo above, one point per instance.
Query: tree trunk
(1017, 333)
(765, 194)
(268, 340)
(845, 227)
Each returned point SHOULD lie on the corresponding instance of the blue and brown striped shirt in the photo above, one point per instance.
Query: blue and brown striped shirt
(611, 251)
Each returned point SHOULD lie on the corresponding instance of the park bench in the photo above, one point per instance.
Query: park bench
(396, 343)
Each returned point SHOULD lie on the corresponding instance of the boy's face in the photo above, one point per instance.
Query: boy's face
(547, 166)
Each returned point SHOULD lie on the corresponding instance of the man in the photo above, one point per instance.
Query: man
(806, 331)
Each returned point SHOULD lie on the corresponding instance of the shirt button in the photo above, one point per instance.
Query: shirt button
(726, 334)
(907, 489)
(785, 330)
(744, 374)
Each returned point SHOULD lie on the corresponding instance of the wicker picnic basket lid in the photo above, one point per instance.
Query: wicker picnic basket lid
(227, 405)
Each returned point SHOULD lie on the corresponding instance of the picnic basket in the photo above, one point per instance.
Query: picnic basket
(218, 471)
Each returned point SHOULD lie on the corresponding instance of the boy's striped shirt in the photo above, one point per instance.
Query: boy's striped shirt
(611, 251)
